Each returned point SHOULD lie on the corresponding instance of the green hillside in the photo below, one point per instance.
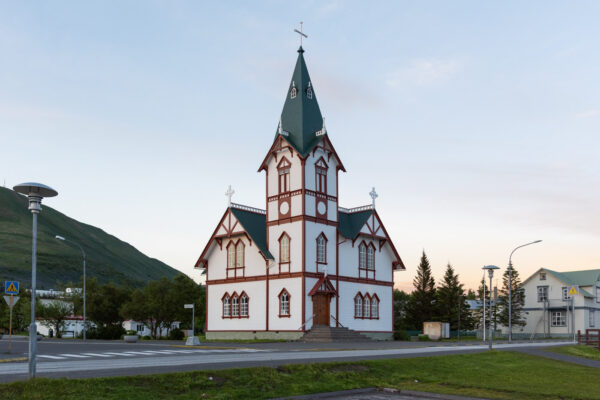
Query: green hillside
(108, 258)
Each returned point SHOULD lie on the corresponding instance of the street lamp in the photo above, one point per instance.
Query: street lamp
(83, 253)
(490, 269)
(510, 299)
(35, 192)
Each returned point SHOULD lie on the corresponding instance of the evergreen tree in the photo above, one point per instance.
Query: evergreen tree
(422, 303)
(471, 295)
(518, 300)
(451, 294)
(478, 313)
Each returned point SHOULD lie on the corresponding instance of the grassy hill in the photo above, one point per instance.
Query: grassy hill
(108, 258)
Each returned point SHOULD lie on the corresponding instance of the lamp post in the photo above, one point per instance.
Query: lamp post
(83, 253)
(35, 192)
(510, 299)
(490, 269)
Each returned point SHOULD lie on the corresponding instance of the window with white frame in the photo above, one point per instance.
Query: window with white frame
(371, 257)
(358, 305)
(542, 276)
(374, 308)
(321, 249)
(367, 307)
(362, 256)
(226, 306)
(309, 91)
(140, 328)
(284, 304)
(542, 294)
(565, 293)
(597, 294)
(244, 305)
(235, 306)
(592, 318)
(284, 249)
(558, 318)
(293, 91)
(235, 259)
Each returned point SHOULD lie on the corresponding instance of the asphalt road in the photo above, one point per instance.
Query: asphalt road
(76, 359)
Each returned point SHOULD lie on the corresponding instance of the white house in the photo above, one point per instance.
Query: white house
(548, 306)
(302, 260)
(72, 327)
(143, 330)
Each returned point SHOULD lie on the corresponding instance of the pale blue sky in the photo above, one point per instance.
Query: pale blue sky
(477, 122)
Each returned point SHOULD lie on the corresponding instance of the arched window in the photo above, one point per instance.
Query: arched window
(226, 306)
(284, 303)
(293, 91)
(358, 304)
(321, 249)
(284, 175)
(309, 91)
(244, 305)
(375, 307)
(230, 255)
(235, 259)
(239, 257)
(362, 256)
(284, 253)
(321, 176)
(366, 260)
(235, 306)
(371, 257)
(367, 307)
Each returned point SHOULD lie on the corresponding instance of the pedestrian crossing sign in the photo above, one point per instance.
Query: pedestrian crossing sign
(11, 287)
(573, 290)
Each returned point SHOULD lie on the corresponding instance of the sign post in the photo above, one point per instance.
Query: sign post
(11, 288)
(572, 292)
(192, 340)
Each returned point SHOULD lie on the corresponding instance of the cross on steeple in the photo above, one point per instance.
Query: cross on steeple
(299, 32)
(229, 193)
(373, 195)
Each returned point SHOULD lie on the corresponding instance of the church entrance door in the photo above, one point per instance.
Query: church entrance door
(321, 308)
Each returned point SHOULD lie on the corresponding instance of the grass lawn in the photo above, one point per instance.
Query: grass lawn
(496, 374)
(579, 351)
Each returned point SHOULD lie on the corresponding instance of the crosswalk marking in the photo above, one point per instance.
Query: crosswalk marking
(96, 355)
(120, 354)
(52, 357)
(74, 355)
(131, 353)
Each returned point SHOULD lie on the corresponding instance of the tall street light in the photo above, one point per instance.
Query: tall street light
(35, 192)
(510, 299)
(490, 269)
(83, 253)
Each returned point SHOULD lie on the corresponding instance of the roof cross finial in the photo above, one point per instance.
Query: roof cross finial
(299, 32)
(373, 195)
(229, 193)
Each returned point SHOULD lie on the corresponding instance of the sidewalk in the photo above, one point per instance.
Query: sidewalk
(378, 394)
(561, 357)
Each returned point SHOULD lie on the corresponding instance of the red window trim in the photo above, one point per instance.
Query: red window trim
(226, 295)
(284, 164)
(239, 297)
(235, 269)
(289, 314)
(358, 295)
(319, 168)
(284, 263)
(317, 249)
(371, 298)
(365, 272)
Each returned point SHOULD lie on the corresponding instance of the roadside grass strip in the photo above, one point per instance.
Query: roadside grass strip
(495, 374)
(9, 360)
(578, 351)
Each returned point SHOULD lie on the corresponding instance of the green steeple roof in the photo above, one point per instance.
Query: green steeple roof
(301, 121)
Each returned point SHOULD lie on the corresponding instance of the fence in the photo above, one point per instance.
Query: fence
(590, 338)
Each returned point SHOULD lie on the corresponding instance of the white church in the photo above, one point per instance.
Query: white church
(303, 261)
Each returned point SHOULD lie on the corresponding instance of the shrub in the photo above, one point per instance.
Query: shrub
(424, 338)
(401, 335)
(176, 334)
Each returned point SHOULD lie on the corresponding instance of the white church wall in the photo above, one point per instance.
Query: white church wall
(256, 306)
(347, 292)
(309, 172)
(296, 206)
(217, 259)
(312, 231)
(294, 288)
(332, 210)
(309, 205)
(217, 262)
(349, 259)
(273, 210)
(294, 230)
(331, 172)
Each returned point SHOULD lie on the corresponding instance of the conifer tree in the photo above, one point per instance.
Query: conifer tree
(518, 300)
(478, 313)
(422, 303)
(450, 294)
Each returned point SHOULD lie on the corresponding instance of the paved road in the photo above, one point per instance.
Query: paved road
(75, 359)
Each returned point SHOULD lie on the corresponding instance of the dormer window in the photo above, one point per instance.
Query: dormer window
(542, 276)
(309, 91)
(294, 91)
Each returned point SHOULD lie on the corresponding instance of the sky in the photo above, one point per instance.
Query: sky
(477, 122)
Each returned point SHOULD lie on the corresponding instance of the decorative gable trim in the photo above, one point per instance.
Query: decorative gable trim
(323, 286)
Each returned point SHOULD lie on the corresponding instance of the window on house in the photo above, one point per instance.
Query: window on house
(592, 318)
(284, 249)
(244, 305)
(597, 294)
(367, 307)
(293, 91)
(366, 260)
(321, 176)
(226, 306)
(140, 328)
(321, 249)
(284, 175)
(374, 308)
(558, 318)
(362, 256)
(235, 259)
(230, 256)
(542, 294)
(371, 257)
(235, 306)
(565, 293)
(239, 256)
(358, 304)
(542, 276)
(284, 304)
(309, 91)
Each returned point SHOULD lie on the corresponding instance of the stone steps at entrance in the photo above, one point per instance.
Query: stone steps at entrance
(323, 333)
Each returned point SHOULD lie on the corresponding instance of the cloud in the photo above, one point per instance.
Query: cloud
(424, 72)
(588, 114)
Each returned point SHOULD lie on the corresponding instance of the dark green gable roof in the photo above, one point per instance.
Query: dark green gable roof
(350, 223)
(256, 226)
(301, 117)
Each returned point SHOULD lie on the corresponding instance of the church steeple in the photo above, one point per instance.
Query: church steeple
(301, 121)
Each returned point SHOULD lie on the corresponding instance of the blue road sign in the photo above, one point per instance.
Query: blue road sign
(11, 287)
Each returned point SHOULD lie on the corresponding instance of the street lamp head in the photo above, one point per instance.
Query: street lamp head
(537, 241)
(490, 269)
(59, 237)
(36, 192)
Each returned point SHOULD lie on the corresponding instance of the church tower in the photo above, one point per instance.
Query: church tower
(302, 191)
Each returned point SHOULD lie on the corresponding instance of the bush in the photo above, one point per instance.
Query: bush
(176, 334)
(131, 332)
(147, 338)
(424, 338)
(110, 332)
(401, 335)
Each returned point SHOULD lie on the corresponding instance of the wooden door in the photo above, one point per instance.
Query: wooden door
(321, 309)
